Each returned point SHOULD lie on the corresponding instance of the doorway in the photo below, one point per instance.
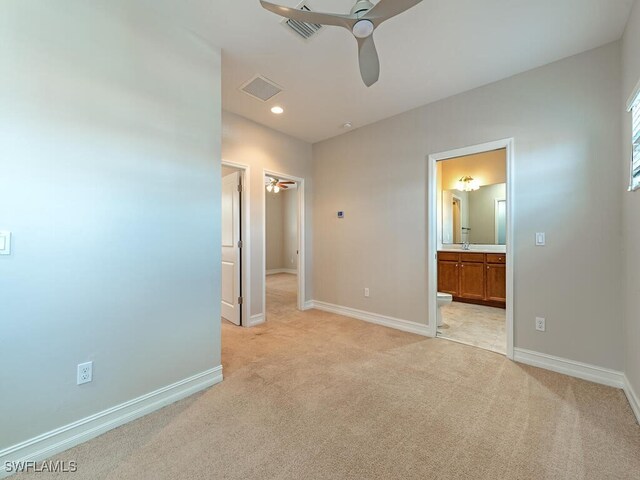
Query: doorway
(470, 218)
(283, 244)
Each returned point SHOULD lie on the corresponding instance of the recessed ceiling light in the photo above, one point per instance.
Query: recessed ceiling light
(277, 110)
(347, 125)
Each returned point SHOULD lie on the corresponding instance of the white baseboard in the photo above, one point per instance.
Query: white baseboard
(572, 368)
(256, 319)
(51, 443)
(633, 398)
(292, 271)
(397, 323)
(308, 305)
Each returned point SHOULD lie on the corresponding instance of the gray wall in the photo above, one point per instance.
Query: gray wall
(275, 231)
(631, 206)
(565, 118)
(110, 160)
(260, 147)
(290, 227)
(282, 229)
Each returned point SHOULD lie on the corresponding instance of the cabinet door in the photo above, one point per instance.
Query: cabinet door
(448, 277)
(497, 283)
(472, 280)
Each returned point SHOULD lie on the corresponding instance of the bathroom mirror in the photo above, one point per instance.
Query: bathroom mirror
(478, 217)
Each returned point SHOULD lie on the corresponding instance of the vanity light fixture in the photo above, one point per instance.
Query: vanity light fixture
(468, 184)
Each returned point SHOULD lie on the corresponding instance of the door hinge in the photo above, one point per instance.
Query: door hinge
(240, 244)
(240, 187)
(240, 299)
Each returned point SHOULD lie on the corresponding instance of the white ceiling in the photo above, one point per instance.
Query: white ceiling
(435, 50)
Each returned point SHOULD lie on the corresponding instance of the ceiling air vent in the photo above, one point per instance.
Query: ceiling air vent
(303, 29)
(261, 88)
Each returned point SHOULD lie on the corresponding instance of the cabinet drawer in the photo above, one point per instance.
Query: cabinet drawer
(472, 257)
(496, 258)
(450, 256)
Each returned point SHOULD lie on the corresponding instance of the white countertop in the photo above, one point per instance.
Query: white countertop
(476, 249)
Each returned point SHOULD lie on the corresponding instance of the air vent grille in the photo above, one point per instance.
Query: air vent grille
(261, 88)
(303, 29)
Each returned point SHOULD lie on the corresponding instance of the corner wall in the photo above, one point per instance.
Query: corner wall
(565, 119)
(110, 153)
(249, 143)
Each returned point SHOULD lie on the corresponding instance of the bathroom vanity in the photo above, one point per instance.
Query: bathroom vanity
(473, 277)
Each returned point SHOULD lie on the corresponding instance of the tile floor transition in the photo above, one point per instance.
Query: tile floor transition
(476, 325)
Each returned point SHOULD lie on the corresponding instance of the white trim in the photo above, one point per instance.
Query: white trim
(432, 243)
(246, 237)
(396, 323)
(308, 305)
(635, 94)
(633, 398)
(60, 439)
(275, 271)
(301, 238)
(592, 373)
(256, 319)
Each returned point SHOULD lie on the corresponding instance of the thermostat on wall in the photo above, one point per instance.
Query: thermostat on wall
(5, 243)
(340, 214)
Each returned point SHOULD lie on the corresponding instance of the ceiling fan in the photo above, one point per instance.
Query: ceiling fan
(364, 18)
(275, 185)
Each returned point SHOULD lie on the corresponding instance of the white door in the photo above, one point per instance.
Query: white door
(231, 306)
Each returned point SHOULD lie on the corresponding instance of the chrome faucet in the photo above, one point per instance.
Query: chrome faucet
(466, 246)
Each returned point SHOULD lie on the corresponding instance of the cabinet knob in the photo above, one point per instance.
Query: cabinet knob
(488, 267)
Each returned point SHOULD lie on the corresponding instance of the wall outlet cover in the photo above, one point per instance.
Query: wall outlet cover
(85, 372)
(541, 324)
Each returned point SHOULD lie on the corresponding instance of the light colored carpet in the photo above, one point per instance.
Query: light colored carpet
(318, 396)
(477, 325)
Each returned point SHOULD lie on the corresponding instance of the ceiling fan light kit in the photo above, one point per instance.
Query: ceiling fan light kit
(364, 18)
(274, 185)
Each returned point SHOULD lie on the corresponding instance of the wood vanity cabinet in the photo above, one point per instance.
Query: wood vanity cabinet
(496, 278)
(448, 265)
(473, 277)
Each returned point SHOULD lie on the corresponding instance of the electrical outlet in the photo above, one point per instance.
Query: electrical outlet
(85, 372)
(541, 324)
(366, 292)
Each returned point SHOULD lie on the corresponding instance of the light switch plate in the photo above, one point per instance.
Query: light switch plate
(541, 239)
(5, 242)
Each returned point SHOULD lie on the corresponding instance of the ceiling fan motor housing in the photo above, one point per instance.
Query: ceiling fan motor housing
(361, 6)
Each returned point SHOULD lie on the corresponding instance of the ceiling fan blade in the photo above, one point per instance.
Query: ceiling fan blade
(386, 9)
(287, 183)
(336, 20)
(369, 62)
(284, 187)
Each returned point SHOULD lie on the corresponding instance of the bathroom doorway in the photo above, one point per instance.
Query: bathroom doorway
(470, 255)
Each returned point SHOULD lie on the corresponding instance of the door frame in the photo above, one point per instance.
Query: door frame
(301, 237)
(432, 242)
(245, 236)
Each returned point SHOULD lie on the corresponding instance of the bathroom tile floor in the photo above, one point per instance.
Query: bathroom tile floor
(476, 325)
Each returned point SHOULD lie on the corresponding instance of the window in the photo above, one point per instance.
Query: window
(634, 107)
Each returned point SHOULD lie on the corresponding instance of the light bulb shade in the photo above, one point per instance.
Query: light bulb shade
(269, 188)
(363, 29)
(468, 184)
(276, 189)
